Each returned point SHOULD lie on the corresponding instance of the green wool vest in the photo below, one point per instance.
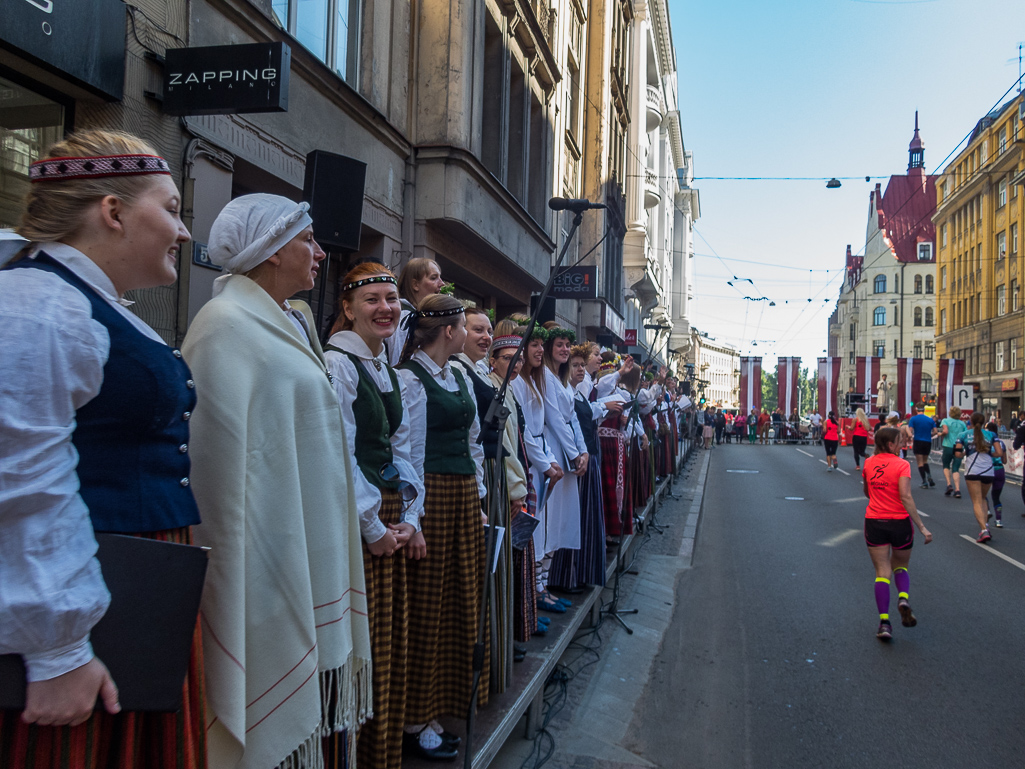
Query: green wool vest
(449, 417)
(378, 415)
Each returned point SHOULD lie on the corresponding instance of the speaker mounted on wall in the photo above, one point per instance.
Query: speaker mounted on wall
(334, 189)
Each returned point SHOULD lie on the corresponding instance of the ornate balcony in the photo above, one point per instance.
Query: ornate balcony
(652, 193)
(655, 108)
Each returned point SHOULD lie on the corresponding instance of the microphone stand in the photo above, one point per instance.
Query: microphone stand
(613, 610)
(497, 415)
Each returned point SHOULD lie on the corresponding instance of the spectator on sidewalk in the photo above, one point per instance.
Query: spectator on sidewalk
(763, 427)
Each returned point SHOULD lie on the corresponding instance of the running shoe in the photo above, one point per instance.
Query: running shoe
(907, 618)
(931, 481)
(924, 486)
(885, 632)
(957, 495)
(949, 491)
(1000, 524)
(829, 468)
(989, 514)
(984, 536)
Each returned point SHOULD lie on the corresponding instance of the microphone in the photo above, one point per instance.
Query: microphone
(576, 205)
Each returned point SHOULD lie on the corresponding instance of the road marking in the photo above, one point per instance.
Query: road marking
(849, 499)
(841, 537)
(794, 499)
(745, 472)
(807, 454)
(997, 553)
(843, 471)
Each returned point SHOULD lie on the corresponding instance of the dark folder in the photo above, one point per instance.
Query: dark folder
(145, 638)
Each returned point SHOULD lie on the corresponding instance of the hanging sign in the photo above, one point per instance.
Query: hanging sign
(227, 79)
(576, 283)
(630, 337)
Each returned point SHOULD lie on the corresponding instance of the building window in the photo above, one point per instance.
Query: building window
(926, 384)
(1014, 239)
(1014, 354)
(998, 356)
(850, 357)
(918, 284)
(896, 349)
(1002, 193)
(853, 335)
(943, 278)
(329, 29)
(1001, 245)
(879, 348)
(880, 284)
(1002, 139)
(928, 316)
(924, 252)
(930, 350)
(943, 321)
(1014, 295)
(943, 230)
(879, 316)
(918, 316)
(929, 284)
(918, 350)
(1001, 300)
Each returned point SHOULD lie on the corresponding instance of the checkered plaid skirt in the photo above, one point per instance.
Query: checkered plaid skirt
(122, 741)
(379, 745)
(445, 597)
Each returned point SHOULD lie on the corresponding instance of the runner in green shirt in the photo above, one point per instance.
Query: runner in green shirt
(951, 429)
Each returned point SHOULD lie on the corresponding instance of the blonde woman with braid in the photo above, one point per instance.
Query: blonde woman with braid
(421, 276)
(445, 585)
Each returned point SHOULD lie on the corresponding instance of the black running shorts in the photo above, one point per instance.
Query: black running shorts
(898, 533)
(830, 447)
(922, 448)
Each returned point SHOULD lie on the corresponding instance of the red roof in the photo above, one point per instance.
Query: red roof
(905, 213)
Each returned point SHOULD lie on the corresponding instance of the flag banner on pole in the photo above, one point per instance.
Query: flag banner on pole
(866, 377)
(951, 373)
(751, 384)
(829, 377)
(787, 372)
(909, 383)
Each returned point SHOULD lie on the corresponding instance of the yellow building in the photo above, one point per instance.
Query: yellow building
(979, 217)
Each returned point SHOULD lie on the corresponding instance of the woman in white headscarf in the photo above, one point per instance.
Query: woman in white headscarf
(284, 610)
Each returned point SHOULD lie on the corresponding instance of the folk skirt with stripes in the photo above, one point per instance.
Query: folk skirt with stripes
(614, 479)
(379, 745)
(445, 599)
(122, 741)
(586, 566)
(502, 604)
(525, 586)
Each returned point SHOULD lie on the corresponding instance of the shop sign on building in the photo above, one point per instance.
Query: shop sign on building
(1009, 385)
(576, 283)
(83, 41)
(227, 79)
(630, 337)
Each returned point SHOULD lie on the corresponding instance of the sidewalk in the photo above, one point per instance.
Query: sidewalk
(589, 708)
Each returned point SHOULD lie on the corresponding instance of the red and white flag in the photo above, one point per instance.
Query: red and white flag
(751, 384)
(951, 373)
(829, 378)
(788, 371)
(866, 377)
(909, 384)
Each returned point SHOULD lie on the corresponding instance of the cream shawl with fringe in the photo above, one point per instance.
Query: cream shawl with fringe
(284, 613)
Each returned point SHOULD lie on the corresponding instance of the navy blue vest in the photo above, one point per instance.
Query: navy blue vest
(132, 438)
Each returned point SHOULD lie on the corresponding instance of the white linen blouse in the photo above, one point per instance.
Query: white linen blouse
(539, 455)
(417, 405)
(52, 592)
(346, 380)
(562, 430)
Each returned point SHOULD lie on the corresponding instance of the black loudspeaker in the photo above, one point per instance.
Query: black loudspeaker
(685, 388)
(547, 309)
(334, 189)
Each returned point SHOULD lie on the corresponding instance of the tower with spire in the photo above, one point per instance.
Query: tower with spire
(916, 153)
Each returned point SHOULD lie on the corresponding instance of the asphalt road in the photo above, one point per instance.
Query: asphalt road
(772, 661)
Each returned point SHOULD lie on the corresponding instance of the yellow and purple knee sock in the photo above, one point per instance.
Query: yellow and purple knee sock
(883, 598)
(900, 576)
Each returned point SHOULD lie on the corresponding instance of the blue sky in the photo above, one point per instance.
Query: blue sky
(819, 89)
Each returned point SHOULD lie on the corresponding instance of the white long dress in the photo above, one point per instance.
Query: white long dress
(538, 454)
(563, 435)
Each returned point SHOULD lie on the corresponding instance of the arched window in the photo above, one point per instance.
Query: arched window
(880, 286)
(929, 283)
(918, 316)
(928, 316)
(879, 316)
(918, 284)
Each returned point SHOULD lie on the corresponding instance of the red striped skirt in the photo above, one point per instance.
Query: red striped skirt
(122, 741)
(614, 481)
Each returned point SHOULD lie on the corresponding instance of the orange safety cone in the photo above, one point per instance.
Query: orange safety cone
(843, 438)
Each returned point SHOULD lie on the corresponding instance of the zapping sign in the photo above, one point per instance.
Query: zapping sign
(227, 79)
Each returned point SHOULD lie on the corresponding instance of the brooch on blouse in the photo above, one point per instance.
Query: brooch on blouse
(376, 362)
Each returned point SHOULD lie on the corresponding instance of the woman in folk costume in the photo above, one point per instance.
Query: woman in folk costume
(445, 585)
(421, 276)
(614, 445)
(284, 610)
(563, 435)
(519, 487)
(572, 569)
(389, 492)
(637, 439)
(94, 410)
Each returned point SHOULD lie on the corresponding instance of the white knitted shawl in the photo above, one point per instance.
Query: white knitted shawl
(284, 608)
